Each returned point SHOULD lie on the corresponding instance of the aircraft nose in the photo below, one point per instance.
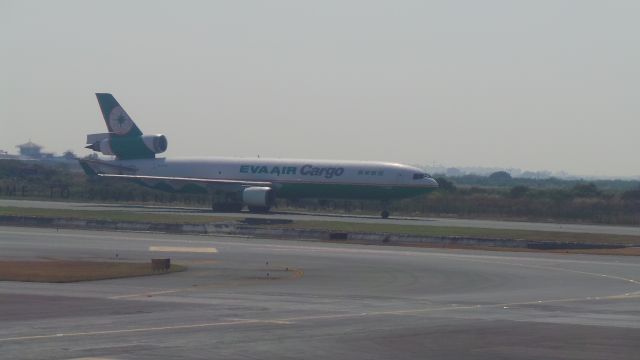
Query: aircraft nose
(431, 182)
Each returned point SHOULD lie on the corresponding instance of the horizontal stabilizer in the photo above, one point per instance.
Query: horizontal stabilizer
(94, 138)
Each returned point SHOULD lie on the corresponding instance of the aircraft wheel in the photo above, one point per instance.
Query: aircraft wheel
(226, 207)
(259, 209)
(384, 214)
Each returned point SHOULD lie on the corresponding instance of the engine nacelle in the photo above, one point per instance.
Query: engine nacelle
(156, 143)
(125, 147)
(258, 196)
(103, 146)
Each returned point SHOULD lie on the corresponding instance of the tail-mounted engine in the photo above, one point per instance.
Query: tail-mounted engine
(127, 147)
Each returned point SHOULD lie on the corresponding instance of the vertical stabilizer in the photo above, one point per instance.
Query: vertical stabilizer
(118, 121)
(124, 139)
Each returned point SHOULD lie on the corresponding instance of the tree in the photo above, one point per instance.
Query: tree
(500, 177)
(445, 184)
(69, 155)
(589, 190)
(631, 195)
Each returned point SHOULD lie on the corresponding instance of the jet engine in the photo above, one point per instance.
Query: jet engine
(258, 197)
(156, 143)
(128, 147)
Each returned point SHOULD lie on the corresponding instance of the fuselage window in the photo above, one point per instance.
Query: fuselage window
(371, 172)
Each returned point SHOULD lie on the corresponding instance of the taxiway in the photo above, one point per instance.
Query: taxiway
(270, 299)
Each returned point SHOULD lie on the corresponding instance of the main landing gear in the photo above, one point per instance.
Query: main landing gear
(385, 212)
(226, 207)
(225, 202)
(237, 207)
(259, 209)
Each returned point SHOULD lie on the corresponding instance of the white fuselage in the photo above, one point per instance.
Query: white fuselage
(281, 171)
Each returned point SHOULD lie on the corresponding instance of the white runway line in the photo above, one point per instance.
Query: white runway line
(298, 319)
(184, 249)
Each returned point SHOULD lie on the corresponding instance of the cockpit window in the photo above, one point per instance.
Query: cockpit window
(419, 176)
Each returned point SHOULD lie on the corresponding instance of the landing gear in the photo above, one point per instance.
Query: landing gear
(259, 209)
(227, 207)
(385, 213)
(225, 202)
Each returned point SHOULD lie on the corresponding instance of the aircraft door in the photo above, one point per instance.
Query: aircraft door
(399, 178)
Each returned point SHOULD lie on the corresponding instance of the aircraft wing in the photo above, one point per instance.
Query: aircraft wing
(187, 179)
(97, 169)
(89, 166)
(184, 183)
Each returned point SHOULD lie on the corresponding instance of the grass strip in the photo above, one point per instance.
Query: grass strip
(429, 230)
(114, 215)
(334, 226)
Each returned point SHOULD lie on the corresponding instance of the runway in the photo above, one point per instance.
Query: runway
(448, 222)
(270, 299)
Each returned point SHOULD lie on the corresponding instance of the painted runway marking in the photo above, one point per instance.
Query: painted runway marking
(347, 249)
(293, 320)
(296, 275)
(183, 249)
(124, 331)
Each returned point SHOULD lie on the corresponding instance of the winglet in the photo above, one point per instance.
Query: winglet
(88, 169)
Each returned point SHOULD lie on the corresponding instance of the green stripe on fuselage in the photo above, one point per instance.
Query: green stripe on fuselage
(299, 190)
(347, 191)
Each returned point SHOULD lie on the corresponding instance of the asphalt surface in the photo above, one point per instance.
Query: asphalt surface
(489, 224)
(270, 299)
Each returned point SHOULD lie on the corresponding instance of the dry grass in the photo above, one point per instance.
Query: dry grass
(429, 230)
(62, 271)
(629, 251)
(116, 215)
(337, 226)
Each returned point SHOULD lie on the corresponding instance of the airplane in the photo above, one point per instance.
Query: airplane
(237, 182)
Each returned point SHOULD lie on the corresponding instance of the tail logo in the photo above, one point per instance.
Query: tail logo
(119, 121)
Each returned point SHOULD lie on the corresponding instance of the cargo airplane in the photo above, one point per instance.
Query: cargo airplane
(237, 182)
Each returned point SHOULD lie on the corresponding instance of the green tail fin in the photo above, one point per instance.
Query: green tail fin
(118, 121)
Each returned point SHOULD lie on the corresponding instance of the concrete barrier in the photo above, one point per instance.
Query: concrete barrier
(295, 234)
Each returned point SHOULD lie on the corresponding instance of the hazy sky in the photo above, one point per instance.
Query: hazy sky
(535, 84)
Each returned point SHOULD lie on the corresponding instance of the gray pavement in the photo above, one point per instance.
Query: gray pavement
(270, 299)
(489, 224)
